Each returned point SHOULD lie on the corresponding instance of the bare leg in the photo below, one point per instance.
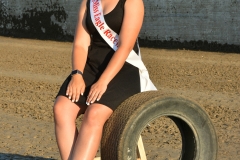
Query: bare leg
(90, 132)
(65, 114)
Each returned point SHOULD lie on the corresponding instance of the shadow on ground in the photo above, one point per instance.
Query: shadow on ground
(190, 45)
(6, 156)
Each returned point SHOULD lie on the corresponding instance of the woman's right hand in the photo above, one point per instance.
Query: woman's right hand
(76, 87)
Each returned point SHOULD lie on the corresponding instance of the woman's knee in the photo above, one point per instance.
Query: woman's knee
(97, 114)
(58, 107)
(64, 109)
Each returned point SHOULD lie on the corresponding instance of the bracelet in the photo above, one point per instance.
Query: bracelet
(76, 72)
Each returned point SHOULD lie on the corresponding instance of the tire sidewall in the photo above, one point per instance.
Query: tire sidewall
(183, 109)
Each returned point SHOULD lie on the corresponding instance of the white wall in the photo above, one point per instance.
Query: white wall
(180, 20)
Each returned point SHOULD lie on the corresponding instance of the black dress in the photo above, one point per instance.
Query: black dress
(127, 81)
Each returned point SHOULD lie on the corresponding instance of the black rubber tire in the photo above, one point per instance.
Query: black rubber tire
(122, 130)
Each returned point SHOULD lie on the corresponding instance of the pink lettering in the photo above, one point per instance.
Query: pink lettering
(99, 14)
(110, 35)
(112, 39)
(116, 42)
(107, 32)
(95, 6)
(97, 19)
(101, 26)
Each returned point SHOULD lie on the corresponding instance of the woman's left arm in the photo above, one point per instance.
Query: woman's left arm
(132, 23)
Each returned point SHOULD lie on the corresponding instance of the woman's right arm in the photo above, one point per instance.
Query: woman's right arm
(79, 55)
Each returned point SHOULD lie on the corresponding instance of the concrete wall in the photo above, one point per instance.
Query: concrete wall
(211, 20)
(215, 21)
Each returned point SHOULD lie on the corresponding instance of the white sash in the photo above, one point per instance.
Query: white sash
(112, 39)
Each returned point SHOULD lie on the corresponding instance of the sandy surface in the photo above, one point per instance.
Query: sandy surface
(31, 72)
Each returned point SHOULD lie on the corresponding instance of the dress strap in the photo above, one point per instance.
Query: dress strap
(122, 3)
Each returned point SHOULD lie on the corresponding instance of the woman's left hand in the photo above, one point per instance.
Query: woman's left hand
(96, 92)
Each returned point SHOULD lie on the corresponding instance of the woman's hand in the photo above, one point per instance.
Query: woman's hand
(75, 87)
(96, 92)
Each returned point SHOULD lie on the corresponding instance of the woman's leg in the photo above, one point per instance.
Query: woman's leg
(90, 132)
(65, 114)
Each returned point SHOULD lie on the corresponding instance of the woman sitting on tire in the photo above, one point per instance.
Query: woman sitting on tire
(101, 77)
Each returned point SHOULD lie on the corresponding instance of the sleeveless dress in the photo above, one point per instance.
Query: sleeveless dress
(127, 81)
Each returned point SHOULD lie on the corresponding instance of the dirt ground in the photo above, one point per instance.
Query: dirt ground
(31, 72)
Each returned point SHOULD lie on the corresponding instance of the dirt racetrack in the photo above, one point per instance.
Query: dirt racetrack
(31, 72)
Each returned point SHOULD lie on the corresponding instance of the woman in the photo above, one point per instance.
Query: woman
(101, 77)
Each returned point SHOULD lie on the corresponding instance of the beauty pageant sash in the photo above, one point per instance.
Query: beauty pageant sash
(112, 39)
